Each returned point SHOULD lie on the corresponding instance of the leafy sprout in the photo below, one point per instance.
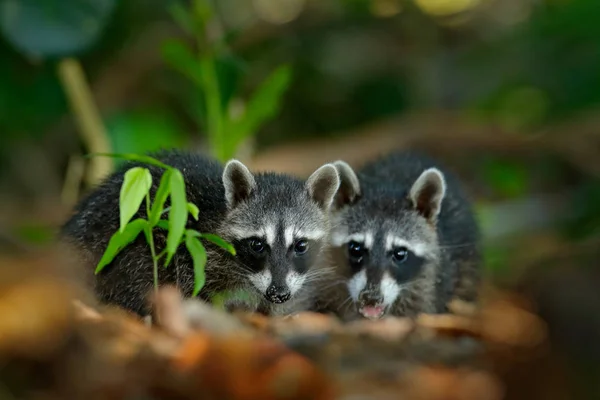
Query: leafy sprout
(136, 187)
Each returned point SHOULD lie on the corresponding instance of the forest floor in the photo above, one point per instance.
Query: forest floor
(56, 344)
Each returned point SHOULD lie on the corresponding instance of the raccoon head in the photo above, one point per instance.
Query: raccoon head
(383, 240)
(278, 225)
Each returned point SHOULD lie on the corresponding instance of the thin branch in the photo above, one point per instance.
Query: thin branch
(91, 128)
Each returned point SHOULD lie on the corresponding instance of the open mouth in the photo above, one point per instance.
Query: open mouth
(372, 312)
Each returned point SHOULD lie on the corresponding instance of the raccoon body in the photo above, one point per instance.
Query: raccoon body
(277, 223)
(404, 240)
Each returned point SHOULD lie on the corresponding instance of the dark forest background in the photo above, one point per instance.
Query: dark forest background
(506, 92)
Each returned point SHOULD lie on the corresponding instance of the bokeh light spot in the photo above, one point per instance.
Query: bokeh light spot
(280, 11)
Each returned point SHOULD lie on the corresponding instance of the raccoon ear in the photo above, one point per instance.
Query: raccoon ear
(238, 181)
(427, 193)
(349, 190)
(323, 184)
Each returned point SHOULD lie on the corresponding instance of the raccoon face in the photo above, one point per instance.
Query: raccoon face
(278, 225)
(381, 243)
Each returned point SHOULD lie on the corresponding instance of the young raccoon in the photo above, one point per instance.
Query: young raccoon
(404, 239)
(277, 223)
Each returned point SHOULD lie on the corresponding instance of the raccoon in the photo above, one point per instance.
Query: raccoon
(404, 240)
(277, 223)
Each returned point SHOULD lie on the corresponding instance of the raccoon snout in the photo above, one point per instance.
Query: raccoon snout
(369, 298)
(278, 294)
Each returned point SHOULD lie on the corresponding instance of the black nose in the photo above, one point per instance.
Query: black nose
(370, 298)
(278, 294)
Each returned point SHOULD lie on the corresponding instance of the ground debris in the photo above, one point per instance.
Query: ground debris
(56, 345)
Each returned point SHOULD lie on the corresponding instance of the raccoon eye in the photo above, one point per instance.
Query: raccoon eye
(400, 254)
(256, 245)
(356, 251)
(301, 246)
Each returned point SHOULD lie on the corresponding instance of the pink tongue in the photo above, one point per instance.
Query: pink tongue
(372, 311)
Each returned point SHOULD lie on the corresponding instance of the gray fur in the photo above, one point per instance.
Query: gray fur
(402, 200)
(234, 204)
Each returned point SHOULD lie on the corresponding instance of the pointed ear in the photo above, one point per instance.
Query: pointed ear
(323, 184)
(427, 193)
(349, 190)
(238, 181)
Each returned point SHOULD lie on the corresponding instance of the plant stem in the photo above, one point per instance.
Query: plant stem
(207, 54)
(154, 258)
(150, 239)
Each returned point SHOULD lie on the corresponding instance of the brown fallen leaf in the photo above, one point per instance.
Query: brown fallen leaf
(304, 323)
(450, 324)
(504, 323)
(35, 316)
(441, 383)
(391, 328)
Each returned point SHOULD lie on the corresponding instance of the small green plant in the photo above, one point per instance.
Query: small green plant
(135, 188)
(214, 81)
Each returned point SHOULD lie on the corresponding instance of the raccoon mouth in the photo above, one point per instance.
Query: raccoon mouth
(372, 312)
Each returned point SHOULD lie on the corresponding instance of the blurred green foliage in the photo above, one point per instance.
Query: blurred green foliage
(508, 179)
(214, 77)
(141, 131)
(31, 98)
(586, 222)
(351, 67)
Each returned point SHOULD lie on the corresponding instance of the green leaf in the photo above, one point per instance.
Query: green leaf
(136, 184)
(182, 59)
(119, 240)
(182, 17)
(163, 224)
(264, 104)
(177, 214)
(219, 242)
(54, 28)
(198, 254)
(132, 157)
(161, 196)
(192, 209)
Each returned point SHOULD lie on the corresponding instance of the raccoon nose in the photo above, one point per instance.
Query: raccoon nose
(278, 294)
(370, 298)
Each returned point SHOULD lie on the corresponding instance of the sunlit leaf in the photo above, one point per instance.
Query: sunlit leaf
(198, 254)
(136, 184)
(54, 28)
(119, 240)
(161, 196)
(193, 209)
(177, 214)
(219, 242)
